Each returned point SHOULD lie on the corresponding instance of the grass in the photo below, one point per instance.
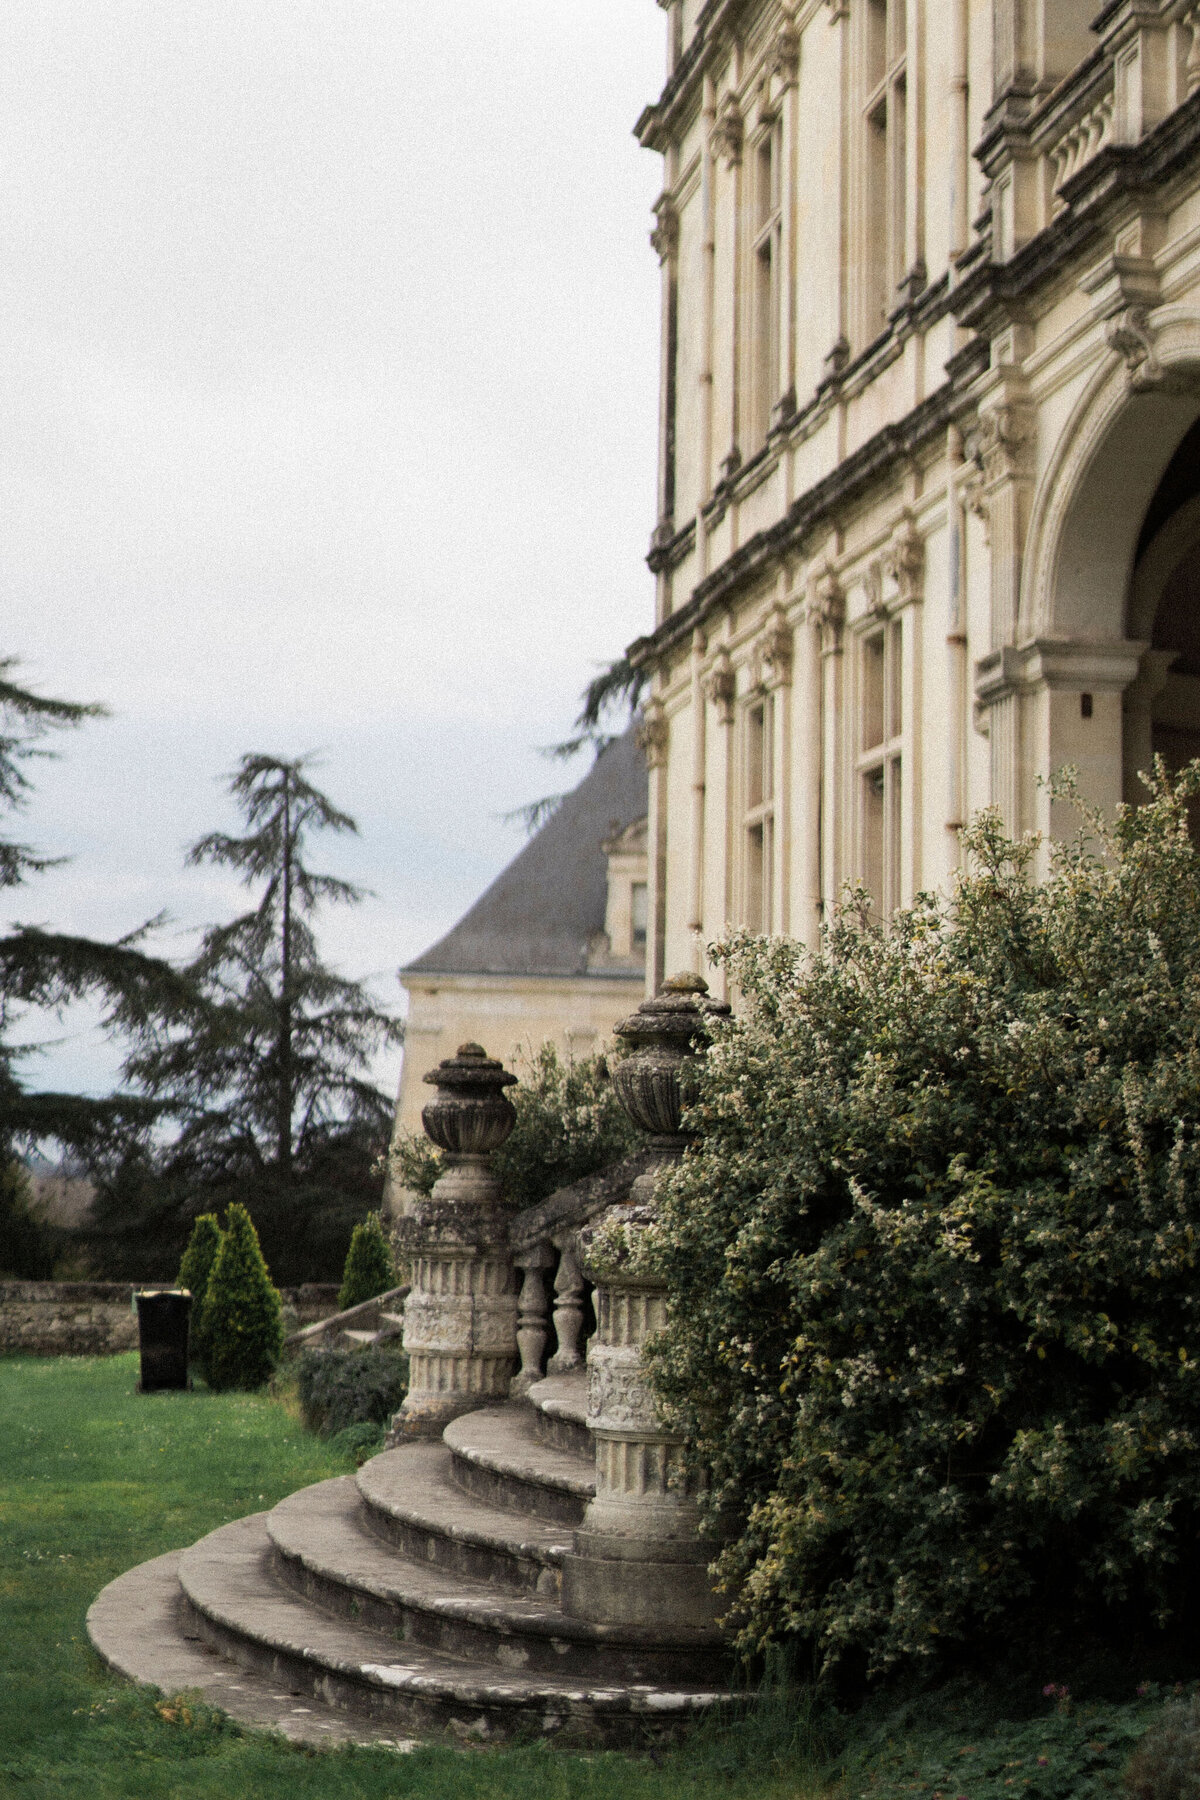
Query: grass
(95, 1478)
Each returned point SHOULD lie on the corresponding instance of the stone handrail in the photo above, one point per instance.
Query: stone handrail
(366, 1316)
(537, 1236)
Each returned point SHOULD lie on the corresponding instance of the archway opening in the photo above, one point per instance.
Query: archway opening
(1162, 707)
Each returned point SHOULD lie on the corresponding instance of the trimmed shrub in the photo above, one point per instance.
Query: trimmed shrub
(340, 1389)
(194, 1272)
(369, 1267)
(934, 1335)
(241, 1319)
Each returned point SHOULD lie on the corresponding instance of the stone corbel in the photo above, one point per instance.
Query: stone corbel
(720, 685)
(784, 58)
(1123, 289)
(1003, 443)
(665, 236)
(873, 589)
(1132, 336)
(653, 734)
(904, 562)
(827, 607)
(773, 651)
(729, 131)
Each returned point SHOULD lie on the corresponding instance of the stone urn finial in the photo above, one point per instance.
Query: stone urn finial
(654, 1084)
(470, 1114)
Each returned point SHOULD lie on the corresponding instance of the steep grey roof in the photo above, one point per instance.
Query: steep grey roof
(539, 914)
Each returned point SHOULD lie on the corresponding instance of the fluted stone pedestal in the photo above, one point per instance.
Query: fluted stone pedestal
(460, 1318)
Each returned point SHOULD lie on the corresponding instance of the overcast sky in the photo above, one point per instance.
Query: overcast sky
(328, 424)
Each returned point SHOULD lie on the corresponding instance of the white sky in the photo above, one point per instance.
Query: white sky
(328, 423)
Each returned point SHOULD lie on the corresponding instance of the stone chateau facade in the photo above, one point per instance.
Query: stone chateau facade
(929, 484)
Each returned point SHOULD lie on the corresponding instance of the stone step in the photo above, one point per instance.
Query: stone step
(250, 1617)
(499, 1458)
(325, 1552)
(559, 1405)
(413, 1503)
(135, 1624)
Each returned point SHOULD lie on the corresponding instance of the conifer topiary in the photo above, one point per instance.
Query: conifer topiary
(194, 1273)
(369, 1267)
(241, 1320)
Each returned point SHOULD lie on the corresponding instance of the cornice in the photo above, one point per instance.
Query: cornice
(1119, 172)
(852, 479)
(668, 550)
(716, 17)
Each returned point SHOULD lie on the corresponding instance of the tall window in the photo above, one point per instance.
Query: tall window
(886, 132)
(765, 276)
(880, 772)
(759, 824)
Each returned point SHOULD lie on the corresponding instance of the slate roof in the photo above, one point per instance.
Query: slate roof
(539, 914)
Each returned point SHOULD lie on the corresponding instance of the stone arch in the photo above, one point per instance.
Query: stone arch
(1091, 500)
(1078, 670)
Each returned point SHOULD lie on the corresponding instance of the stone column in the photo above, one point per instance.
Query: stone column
(460, 1318)
(638, 1557)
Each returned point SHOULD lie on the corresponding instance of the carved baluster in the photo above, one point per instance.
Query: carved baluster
(568, 1311)
(533, 1317)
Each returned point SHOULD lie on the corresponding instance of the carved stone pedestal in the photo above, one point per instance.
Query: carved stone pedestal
(639, 1558)
(460, 1319)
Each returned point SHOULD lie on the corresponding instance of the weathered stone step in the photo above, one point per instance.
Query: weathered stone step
(499, 1458)
(253, 1619)
(559, 1405)
(136, 1625)
(325, 1552)
(413, 1503)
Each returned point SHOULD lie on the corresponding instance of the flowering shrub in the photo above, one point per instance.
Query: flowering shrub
(935, 1329)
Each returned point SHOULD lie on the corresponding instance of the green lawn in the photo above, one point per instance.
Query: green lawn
(94, 1478)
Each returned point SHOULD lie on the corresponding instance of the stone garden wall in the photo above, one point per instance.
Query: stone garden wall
(96, 1318)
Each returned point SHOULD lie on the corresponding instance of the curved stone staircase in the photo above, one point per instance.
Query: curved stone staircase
(421, 1597)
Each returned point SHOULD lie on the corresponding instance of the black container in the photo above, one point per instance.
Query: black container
(163, 1338)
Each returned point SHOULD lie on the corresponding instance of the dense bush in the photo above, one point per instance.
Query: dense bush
(341, 1389)
(1166, 1764)
(241, 1319)
(935, 1330)
(569, 1124)
(369, 1267)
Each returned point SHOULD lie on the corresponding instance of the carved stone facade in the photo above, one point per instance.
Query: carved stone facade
(910, 575)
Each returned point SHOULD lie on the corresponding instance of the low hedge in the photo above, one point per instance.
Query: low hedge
(345, 1390)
